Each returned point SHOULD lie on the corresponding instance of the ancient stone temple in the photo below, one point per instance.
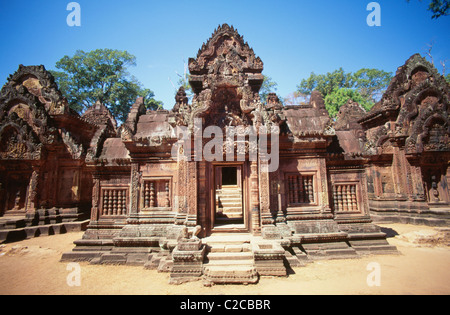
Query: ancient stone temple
(407, 144)
(223, 187)
(45, 186)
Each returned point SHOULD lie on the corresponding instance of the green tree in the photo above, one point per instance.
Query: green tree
(365, 86)
(339, 97)
(438, 8)
(371, 83)
(183, 81)
(268, 86)
(102, 75)
(447, 78)
(325, 83)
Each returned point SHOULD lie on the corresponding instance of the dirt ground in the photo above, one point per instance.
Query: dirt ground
(32, 267)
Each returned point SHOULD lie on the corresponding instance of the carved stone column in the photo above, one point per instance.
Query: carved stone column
(32, 192)
(399, 172)
(324, 195)
(192, 192)
(95, 199)
(254, 198)
(134, 189)
(181, 205)
(203, 195)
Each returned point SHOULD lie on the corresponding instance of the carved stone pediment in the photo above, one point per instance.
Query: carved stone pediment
(37, 81)
(226, 54)
(225, 78)
(18, 141)
(417, 99)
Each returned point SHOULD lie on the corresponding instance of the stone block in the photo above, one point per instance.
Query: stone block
(189, 245)
(137, 259)
(233, 248)
(79, 256)
(114, 259)
(269, 259)
(231, 274)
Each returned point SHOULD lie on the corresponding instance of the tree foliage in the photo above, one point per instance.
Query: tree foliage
(296, 98)
(371, 83)
(438, 8)
(336, 99)
(102, 75)
(365, 86)
(268, 86)
(183, 81)
(325, 83)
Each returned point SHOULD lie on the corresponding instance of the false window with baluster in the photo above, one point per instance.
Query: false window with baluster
(114, 202)
(156, 194)
(345, 198)
(301, 189)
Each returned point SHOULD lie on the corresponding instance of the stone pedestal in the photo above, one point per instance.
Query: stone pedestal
(187, 258)
(269, 258)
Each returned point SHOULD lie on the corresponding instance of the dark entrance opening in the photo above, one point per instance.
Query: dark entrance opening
(229, 206)
(229, 176)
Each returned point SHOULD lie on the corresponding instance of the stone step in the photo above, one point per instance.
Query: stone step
(234, 208)
(229, 215)
(224, 274)
(229, 193)
(227, 239)
(229, 196)
(229, 255)
(230, 202)
(231, 260)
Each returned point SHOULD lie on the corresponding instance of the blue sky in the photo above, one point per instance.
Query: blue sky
(293, 38)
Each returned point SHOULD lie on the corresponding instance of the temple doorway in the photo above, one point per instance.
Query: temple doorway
(13, 193)
(229, 206)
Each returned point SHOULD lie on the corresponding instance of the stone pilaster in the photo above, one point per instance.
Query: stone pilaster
(134, 189)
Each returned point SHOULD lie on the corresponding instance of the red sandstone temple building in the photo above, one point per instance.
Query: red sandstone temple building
(141, 205)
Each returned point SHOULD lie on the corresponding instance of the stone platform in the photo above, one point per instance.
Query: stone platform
(13, 229)
(234, 258)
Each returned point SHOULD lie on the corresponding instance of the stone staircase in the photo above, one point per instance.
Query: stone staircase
(229, 204)
(229, 259)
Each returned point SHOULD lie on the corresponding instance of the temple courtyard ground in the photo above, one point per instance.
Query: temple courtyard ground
(32, 267)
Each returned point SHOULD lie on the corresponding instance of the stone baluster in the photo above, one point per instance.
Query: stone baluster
(296, 190)
(345, 197)
(104, 203)
(146, 195)
(335, 198)
(310, 192)
(349, 197)
(167, 195)
(152, 195)
(301, 189)
(291, 189)
(115, 202)
(339, 197)
(354, 200)
(119, 202)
